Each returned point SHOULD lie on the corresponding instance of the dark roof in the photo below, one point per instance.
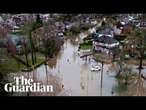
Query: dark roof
(105, 39)
(106, 30)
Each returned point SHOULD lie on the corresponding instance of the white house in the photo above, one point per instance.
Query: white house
(117, 30)
(104, 43)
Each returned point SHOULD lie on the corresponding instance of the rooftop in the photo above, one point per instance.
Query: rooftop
(105, 39)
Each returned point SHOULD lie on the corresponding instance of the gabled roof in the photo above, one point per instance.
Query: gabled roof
(106, 30)
(105, 39)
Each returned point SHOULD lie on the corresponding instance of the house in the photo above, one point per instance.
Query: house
(125, 19)
(45, 17)
(105, 44)
(143, 24)
(109, 31)
(122, 27)
(117, 31)
(136, 22)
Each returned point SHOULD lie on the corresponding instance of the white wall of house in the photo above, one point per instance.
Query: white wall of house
(117, 31)
(106, 45)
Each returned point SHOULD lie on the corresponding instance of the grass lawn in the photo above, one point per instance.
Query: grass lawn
(38, 60)
(84, 47)
(10, 65)
(87, 44)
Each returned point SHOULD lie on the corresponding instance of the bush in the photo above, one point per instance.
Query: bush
(75, 30)
(85, 27)
(68, 33)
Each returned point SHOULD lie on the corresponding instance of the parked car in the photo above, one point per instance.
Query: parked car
(60, 34)
(95, 68)
(127, 56)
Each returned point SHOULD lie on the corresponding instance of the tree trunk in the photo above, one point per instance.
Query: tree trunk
(140, 63)
(101, 78)
(32, 49)
(26, 57)
(32, 57)
(35, 58)
(139, 73)
(47, 81)
(38, 19)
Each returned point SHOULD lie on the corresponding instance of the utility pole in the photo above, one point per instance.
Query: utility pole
(101, 78)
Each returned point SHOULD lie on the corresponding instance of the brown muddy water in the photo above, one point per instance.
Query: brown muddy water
(69, 70)
(71, 76)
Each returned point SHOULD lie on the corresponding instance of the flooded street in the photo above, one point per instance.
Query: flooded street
(71, 75)
(73, 54)
(76, 75)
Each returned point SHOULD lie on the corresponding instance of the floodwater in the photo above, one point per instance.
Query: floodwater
(75, 73)
(72, 74)
(69, 71)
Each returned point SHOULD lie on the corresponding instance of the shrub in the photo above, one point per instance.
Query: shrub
(75, 30)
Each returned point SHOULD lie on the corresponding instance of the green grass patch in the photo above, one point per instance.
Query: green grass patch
(38, 60)
(87, 44)
(68, 34)
(10, 65)
(84, 47)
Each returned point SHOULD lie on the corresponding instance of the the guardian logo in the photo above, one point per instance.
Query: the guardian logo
(22, 84)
